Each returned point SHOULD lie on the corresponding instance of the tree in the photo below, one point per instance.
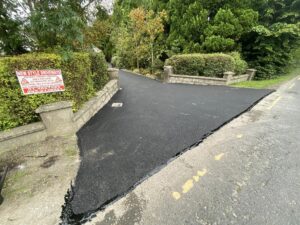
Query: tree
(145, 27)
(99, 33)
(55, 24)
(137, 30)
(43, 24)
(12, 40)
(154, 27)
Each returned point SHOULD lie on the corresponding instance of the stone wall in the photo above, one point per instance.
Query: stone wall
(21, 136)
(228, 78)
(197, 80)
(240, 78)
(95, 104)
(58, 119)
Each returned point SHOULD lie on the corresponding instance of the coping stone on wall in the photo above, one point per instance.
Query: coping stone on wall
(90, 108)
(23, 135)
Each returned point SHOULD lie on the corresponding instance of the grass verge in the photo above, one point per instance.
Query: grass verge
(293, 68)
(262, 84)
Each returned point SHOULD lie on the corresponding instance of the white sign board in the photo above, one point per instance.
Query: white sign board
(40, 81)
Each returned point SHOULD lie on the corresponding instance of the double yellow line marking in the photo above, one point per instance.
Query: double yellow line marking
(190, 183)
(219, 157)
(274, 102)
(291, 86)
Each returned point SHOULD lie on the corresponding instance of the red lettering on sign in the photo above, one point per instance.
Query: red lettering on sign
(58, 79)
(24, 81)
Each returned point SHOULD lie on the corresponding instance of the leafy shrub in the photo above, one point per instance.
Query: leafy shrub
(210, 65)
(80, 78)
(216, 64)
(115, 61)
(143, 71)
(217, 44)
(158, 64)
(99, 70)
(188, 64)
(240, 65)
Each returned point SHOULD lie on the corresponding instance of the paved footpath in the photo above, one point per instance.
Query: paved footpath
(120, 146)
(248, 172)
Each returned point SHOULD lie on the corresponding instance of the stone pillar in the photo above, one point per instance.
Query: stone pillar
(58, 119)
(113, 74)
(228, 76)
(168, 70)
(251, 73)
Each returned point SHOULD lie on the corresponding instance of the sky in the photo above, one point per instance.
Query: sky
(107, 4)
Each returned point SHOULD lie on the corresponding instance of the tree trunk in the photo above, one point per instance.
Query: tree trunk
(152, 57)
(137, 56)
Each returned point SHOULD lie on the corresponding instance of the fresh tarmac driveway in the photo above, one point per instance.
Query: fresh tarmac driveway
(120, 146)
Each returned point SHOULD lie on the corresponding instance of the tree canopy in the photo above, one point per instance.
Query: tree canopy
(143, 33)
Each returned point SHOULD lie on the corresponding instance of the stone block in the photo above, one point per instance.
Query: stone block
(113, 73)
(168, 70)
(228, 76)
(58, 119)
(251, 73)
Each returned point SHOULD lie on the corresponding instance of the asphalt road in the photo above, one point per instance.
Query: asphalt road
(121, 146)
(247, 173)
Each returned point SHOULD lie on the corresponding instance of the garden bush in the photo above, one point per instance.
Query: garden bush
(115, 61)
(187, 64)
(240, 65)
(210, 65)
(99, 70)
(216, 64)
(83, 74)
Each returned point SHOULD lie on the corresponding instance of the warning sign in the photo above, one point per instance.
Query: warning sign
(40, 81)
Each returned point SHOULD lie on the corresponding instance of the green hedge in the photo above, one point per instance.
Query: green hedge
(210, 65)
(187, 64)
(240, 65)
(83, 74)
(99, 70)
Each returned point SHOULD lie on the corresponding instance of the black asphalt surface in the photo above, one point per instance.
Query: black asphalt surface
(121, 146)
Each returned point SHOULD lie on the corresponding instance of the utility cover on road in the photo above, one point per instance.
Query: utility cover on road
(122, 145)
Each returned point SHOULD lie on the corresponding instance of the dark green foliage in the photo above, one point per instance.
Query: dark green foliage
(269, 46)
(227, 28)
(218, 43)
(17, 109)
(212, 26)
(210, 65)
(99, 70)
(158, 64)
(102, 13)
